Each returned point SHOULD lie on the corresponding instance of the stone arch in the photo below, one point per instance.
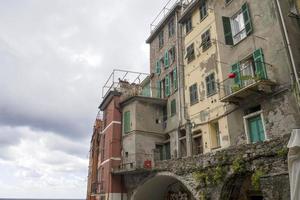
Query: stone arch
(160, 185)
(239, 187)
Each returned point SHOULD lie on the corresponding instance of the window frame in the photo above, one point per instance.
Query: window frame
(210, 83)
(194, 97)
(206, 44)
(173, 109)
(188, 25)
(203, 8)
(190, 53)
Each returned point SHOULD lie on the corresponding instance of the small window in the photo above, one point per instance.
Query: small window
(188, 25)
(203, 10)
(190, 53)
(161, 39)
(173, 107)
(206, 40)
(171, 28)
(172, 55)
(210, 84)
(193, 94)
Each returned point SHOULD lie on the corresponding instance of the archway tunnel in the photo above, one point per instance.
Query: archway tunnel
(162, 187)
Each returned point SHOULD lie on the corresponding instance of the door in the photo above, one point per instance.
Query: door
(256, 130)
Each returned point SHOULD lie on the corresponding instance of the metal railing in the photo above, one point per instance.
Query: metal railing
(135, 161)
(246, 76)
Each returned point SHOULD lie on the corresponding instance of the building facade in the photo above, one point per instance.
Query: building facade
(223, 87)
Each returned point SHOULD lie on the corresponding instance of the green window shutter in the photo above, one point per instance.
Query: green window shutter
(236, 69)
(157, 67)
(158, 89)
(175, 79)
(227, 31)
(260, 68)
(127, 122)
(173, 107)
(167, 84)
(247, 19)
(166, 59)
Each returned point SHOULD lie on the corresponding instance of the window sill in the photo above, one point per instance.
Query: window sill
(189, 32)
(193, 103)
(201, 20)
(212, 94)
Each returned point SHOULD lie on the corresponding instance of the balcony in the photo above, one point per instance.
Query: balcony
(245, 82)
(135, 163)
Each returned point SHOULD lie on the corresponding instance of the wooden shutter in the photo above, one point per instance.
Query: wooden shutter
(158, 89)
(158, 67)
(227, 31)
(127, 123)
(166, 59)
(173, 107)
(236, 69)
(247, 18)
(175, 79)
(167, 85)
(260, 69)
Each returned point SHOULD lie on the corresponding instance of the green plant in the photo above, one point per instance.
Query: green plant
(255, 179)
(218, 175)
(201, 177)
(235, 87)
(283, 152)
(239, 165)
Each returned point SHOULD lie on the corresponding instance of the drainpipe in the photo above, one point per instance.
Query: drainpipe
(290, 52)
(181, 92)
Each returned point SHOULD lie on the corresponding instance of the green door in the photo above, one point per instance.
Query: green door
(256, 130)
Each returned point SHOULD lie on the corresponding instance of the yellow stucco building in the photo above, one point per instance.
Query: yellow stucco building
(202, 72)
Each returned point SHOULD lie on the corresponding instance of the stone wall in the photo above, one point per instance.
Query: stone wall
(260, 168)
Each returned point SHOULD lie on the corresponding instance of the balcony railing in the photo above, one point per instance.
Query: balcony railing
(135, 162)
(246, 81)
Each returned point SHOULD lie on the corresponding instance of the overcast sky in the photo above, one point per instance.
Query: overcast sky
(54, 57)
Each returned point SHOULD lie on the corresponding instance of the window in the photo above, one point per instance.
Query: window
(162, 63)
(166, 59)
(193, 94)
(171, 28)
(161, 39)
(158, 89)
(190, 53)
(237, 27)
(167, 85)
(127, 122)
(173, 107)
(188, 25)
(254, 127)
(206, 41)
(172, 55)
(203, 10)
(175, 82)
(249, 70)
(158, 69)
(210, 84)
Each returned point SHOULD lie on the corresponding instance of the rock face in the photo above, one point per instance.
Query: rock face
(257, 171)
